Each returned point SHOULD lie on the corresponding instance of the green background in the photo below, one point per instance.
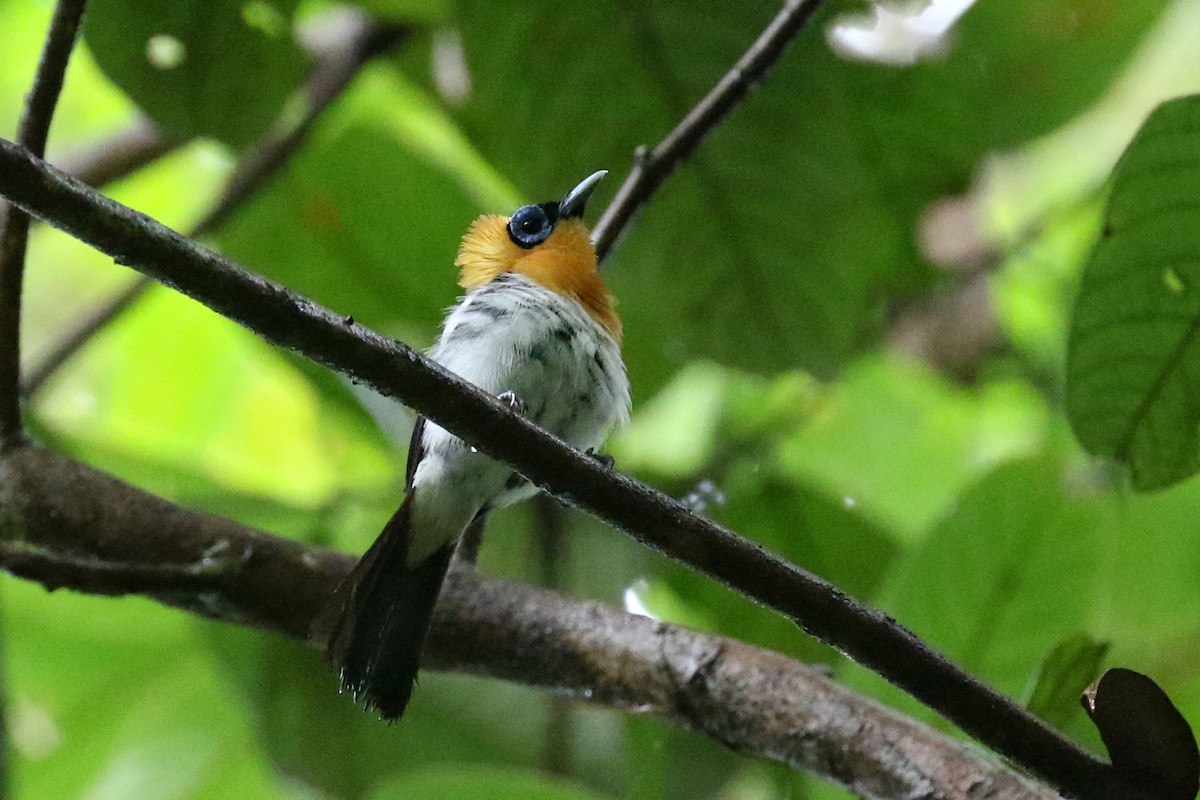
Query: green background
(763, 291)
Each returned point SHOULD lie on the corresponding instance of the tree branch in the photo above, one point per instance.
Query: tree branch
(65, 524)
(296, 323)
(32, 132)
(652, 167)
(361, 39)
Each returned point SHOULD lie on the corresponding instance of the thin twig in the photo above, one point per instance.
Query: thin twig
(119, 155)
(550, 540)
(363, 40)
(32, 132)
(84, 529)
(297, 323)
(75, 339)
(652, 167)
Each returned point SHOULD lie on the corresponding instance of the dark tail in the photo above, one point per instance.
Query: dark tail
(374, 626)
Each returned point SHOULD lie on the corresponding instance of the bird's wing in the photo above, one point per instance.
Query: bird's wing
(415, 452)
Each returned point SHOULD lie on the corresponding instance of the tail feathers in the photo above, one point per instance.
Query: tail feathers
(374, 626)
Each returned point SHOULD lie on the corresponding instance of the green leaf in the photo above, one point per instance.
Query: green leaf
(775, 245)
(171, 398)
(999, 581)
(807, 527)
(674, 433)
(1062, 677)
(118, 699)
(882, 432)
(424, 11)
(219, 68)
(471, 782)
(453, 719)
(368, 217)
(1133, 369)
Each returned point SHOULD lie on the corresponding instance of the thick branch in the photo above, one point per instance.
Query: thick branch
(361, 39)
(296, 323)
(654, 166)
(32, 132)
(65, 524)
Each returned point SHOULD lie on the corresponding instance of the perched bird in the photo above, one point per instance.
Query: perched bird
(536, 326)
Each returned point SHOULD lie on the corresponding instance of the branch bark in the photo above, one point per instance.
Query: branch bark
(65, 524)
(32, 131)
(296, 323)
(652, 167)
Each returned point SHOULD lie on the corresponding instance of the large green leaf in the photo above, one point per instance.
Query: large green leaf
(1000, 581)
(406, 10)
(880, 435)
(1063, 675)
(779, 243)
(220, 68)
(117, 699)
(157, 387)
(368, 217)
(470, 782)
(452, 720)
(1133, 370)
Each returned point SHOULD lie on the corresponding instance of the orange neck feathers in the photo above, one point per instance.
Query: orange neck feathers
(565, 263)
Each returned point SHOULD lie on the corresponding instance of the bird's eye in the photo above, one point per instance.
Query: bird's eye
(530, 226)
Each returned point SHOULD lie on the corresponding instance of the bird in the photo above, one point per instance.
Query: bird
(537, 327)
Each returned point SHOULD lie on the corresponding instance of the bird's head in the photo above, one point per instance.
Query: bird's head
(547, 243)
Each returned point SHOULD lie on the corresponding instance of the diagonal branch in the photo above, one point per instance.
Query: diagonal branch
(32, 131)
(362, 40)
(297, 323)
(652, 167)
(83, 529)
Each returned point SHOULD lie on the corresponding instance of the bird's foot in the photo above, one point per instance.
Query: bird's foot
(605, 459)
(512, 401)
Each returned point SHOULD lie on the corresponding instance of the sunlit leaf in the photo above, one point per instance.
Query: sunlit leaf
(880, 433)
(209, 396)
(1062, 677)
(675, 433)
(91, 107)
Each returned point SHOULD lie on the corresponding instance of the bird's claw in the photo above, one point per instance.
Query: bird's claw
(604, 459)
(512, 401)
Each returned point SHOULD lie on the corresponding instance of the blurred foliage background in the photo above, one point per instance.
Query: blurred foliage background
(845, 320)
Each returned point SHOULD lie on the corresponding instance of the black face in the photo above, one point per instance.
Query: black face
(532, 225)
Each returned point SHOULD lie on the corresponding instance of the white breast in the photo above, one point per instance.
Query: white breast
(513, 335)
